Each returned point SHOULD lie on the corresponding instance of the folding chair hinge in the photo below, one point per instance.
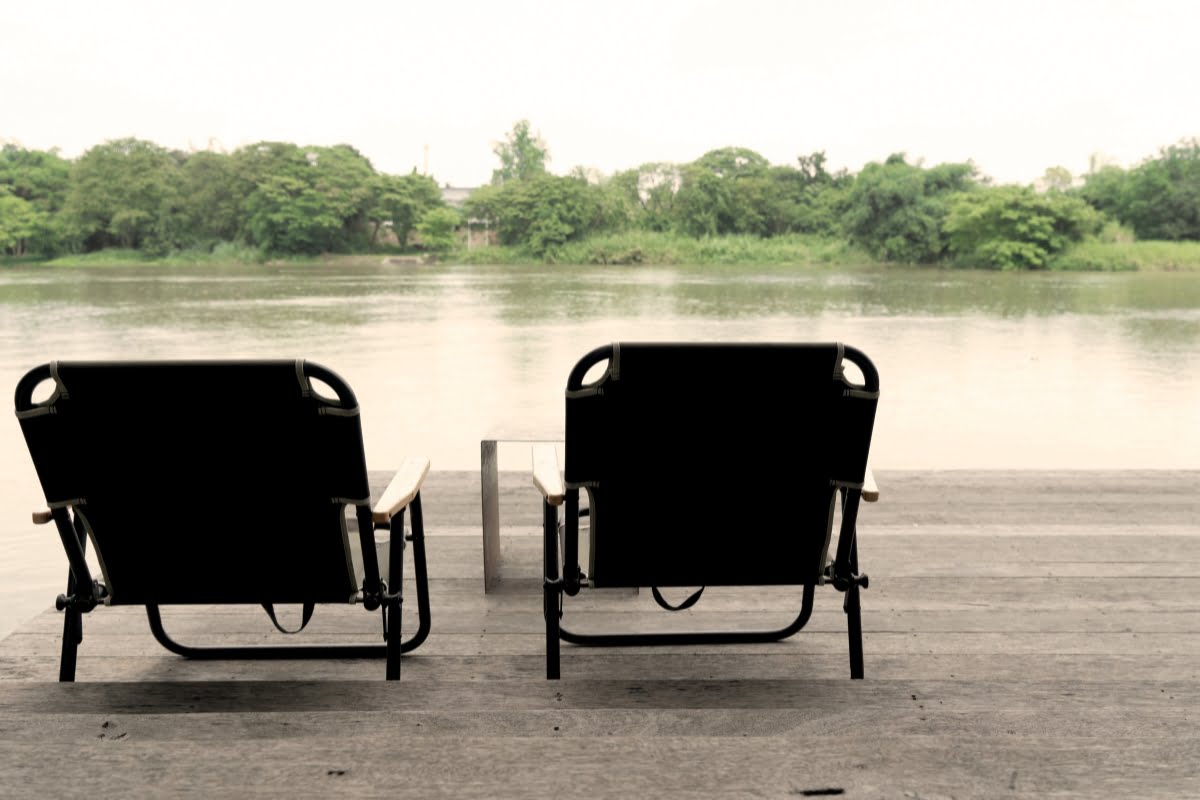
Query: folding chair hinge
(82, 604)
(556, 585)
(843, 582)
(372, 600)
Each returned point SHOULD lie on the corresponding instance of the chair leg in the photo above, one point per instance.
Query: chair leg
(854, 615)
(421, 575)
(854, 628)
(72, 617)
(393, 640)
(396, 604)
(552, 588)
(72, 636)
(552, 634)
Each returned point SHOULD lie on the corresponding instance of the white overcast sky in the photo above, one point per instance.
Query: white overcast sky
(1013, 85)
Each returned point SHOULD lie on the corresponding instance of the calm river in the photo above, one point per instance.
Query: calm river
(978, 370)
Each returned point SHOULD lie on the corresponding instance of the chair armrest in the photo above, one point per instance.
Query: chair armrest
(546, 475)
(403, 488)
(870, 491)
(42, 517)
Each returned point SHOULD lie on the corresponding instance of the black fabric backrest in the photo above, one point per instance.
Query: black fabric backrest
(711, 464)
(204, 481)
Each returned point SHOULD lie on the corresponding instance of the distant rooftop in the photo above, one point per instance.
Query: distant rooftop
(455, 195)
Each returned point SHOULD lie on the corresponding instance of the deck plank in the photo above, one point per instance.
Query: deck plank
(1026, 634)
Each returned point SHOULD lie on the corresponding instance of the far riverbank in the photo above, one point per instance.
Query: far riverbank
(656, 249)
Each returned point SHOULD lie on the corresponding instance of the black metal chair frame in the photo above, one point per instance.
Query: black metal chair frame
(563, 576)
(84, 592)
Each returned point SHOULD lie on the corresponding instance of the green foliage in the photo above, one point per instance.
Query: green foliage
(1158, 199)
(212, 199)
(522, 155)
(314, 199)
(1121, 255)
(705, 203)
(40, 180)
(806, 200)
(729, 205)
(437, 228)
(126, 193)
(1103, 189)
(401, 200)
(895, 210)
(648, 195)
(1014, 227)
(36, 176)
(288, 215)
(20, 222)
(541, 213)
(1162, 198)
(733, 190)
(732, 163)
(650, 248)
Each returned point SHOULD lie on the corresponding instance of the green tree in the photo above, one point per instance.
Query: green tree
(251, 166)
(722, 192)
(1056, 179)
(1158, 199)
(126, 193)
(344, 176)
(288, 215)
(705, 204)
(437, 227)
(20, 223)
(813, 199)
(1014, 227)
(895, 209)
(213, 200)
(1162, 196)
(733, 163)
(522, 155)
(307, 200)
(541, 213)
(40, 179)
(1104, 189)
(401, 201)
(648, 194)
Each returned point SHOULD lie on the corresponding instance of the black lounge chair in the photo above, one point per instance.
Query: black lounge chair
(219, 482)
(709, 465)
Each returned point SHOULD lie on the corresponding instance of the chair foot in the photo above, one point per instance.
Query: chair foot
(854, 631)
(72, 636)
(393, 642)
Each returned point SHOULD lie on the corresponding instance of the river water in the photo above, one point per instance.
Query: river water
(978, 370)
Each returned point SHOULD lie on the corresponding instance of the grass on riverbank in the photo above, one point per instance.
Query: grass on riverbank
(659, 249)
(665, 249)
(1130, 256)
(224, 254)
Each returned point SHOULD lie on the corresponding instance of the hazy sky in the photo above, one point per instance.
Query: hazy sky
(1015, 86)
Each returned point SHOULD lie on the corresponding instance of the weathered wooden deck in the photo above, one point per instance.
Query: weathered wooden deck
(1026, 635)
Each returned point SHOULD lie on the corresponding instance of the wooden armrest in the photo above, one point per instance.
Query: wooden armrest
(42, 517)
(870, 492)
(403, 488)
(546, 475)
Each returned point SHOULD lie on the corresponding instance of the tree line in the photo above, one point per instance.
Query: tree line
(281, 198)
(274, 196)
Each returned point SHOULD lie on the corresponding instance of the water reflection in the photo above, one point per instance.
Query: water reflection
(980, 369)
